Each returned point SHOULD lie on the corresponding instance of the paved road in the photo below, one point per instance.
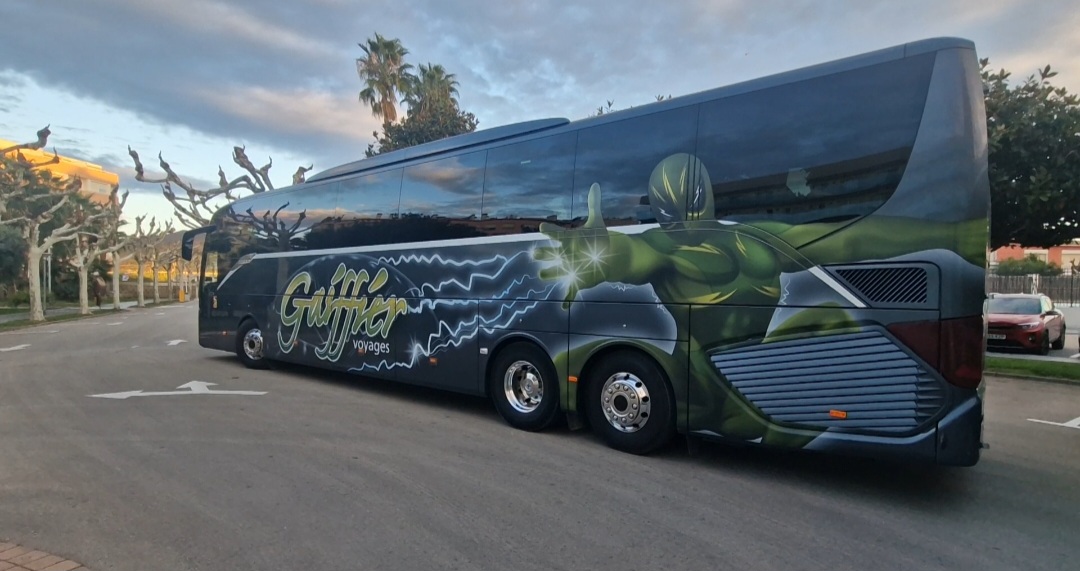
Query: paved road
(328, 472)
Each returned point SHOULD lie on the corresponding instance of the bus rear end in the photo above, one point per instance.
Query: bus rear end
(877, 340)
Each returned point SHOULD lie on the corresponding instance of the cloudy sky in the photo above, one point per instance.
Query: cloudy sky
(193, 78)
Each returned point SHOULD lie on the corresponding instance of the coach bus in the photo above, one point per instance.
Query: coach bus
(796, 261)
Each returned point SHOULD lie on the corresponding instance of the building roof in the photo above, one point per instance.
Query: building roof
(97, 182)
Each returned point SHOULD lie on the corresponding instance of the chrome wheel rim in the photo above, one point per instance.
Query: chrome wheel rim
(253, 344)
(625, 402)
(523, 386)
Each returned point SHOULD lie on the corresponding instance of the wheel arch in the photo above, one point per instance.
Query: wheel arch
(511, 338)
(247, 317)
(594, 358)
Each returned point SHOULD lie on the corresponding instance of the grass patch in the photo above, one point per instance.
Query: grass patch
(23, 323)
(1033, 368)
(26, 308)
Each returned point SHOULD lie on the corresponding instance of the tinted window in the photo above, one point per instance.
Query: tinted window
(621, 157)
(281, 221)
(529, 183)
(367, 213)
(825, 149)
(441, 199)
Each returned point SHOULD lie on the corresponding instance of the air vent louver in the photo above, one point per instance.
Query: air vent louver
(895, 285)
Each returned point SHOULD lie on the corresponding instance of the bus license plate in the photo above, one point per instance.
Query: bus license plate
(994, 336)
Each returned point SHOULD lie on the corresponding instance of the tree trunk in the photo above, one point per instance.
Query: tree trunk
(33, 277)
(188, 290)
(116, 280)
(84, 283)
(140, 281)
(157, 292)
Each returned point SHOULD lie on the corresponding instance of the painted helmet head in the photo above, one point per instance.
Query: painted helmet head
(680, 190)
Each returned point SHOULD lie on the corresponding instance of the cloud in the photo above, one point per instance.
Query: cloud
(298, 112)
(193, 78)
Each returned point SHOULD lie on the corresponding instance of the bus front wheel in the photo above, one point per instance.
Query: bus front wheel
(523, 385)
(630, 405)
(249, 345)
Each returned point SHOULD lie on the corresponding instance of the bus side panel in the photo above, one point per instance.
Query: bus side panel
(437, 343)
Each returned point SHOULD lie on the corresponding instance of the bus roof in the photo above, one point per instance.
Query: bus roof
(559, 125)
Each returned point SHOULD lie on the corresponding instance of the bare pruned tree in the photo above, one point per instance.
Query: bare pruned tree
(142, 249)
(194, 207)
(163, 254)
(35, 225)
(93, 241)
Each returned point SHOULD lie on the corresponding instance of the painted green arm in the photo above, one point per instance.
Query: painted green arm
(591, 255)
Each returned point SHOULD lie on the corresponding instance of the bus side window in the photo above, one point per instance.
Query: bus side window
(620, 157)
(440, 199)
(281, 221)
(528, 184)
(825, 149)
(367, 212)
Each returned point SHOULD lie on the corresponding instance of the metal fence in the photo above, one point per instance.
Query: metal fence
(1063, 289)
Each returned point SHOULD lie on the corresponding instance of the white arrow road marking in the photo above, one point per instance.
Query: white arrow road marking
(193, 388)
(1074, 423)
(176, 342)
(15, 348)
(117, 323)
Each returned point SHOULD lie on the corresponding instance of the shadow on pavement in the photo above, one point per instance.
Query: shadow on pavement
(925, 487)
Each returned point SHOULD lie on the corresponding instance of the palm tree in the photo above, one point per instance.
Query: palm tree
(385, 75)
(432, 86)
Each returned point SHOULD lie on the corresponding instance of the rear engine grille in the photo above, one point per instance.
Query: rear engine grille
(862, 376)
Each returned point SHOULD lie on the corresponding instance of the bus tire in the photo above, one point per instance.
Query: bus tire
(630, 403)
(250, 345)
(524, 387)
(1044, 344)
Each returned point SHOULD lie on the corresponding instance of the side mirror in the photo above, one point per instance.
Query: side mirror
(187, 241)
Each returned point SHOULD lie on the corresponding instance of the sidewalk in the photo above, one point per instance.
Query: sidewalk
(68, 311)
(18, 558)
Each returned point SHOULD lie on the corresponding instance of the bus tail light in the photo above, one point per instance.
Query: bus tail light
(963, 347)
(952, 346)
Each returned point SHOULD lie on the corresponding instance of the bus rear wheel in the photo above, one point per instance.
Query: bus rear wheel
(250, 345)
(629, 404)
(523, 385)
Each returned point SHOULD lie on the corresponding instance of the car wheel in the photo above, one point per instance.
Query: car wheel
(524, 387)
(1044, 346)
(630, 403)
(250, 345)
(1060, 343)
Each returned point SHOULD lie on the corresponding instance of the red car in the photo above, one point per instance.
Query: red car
(1027, 322)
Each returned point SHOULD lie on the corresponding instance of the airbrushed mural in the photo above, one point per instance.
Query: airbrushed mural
(689, 289)
(803, 256)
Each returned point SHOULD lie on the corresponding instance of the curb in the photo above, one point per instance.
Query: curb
(1016, 377)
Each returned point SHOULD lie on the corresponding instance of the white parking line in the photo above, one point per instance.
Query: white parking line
(1074, 423)
(15, 348)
